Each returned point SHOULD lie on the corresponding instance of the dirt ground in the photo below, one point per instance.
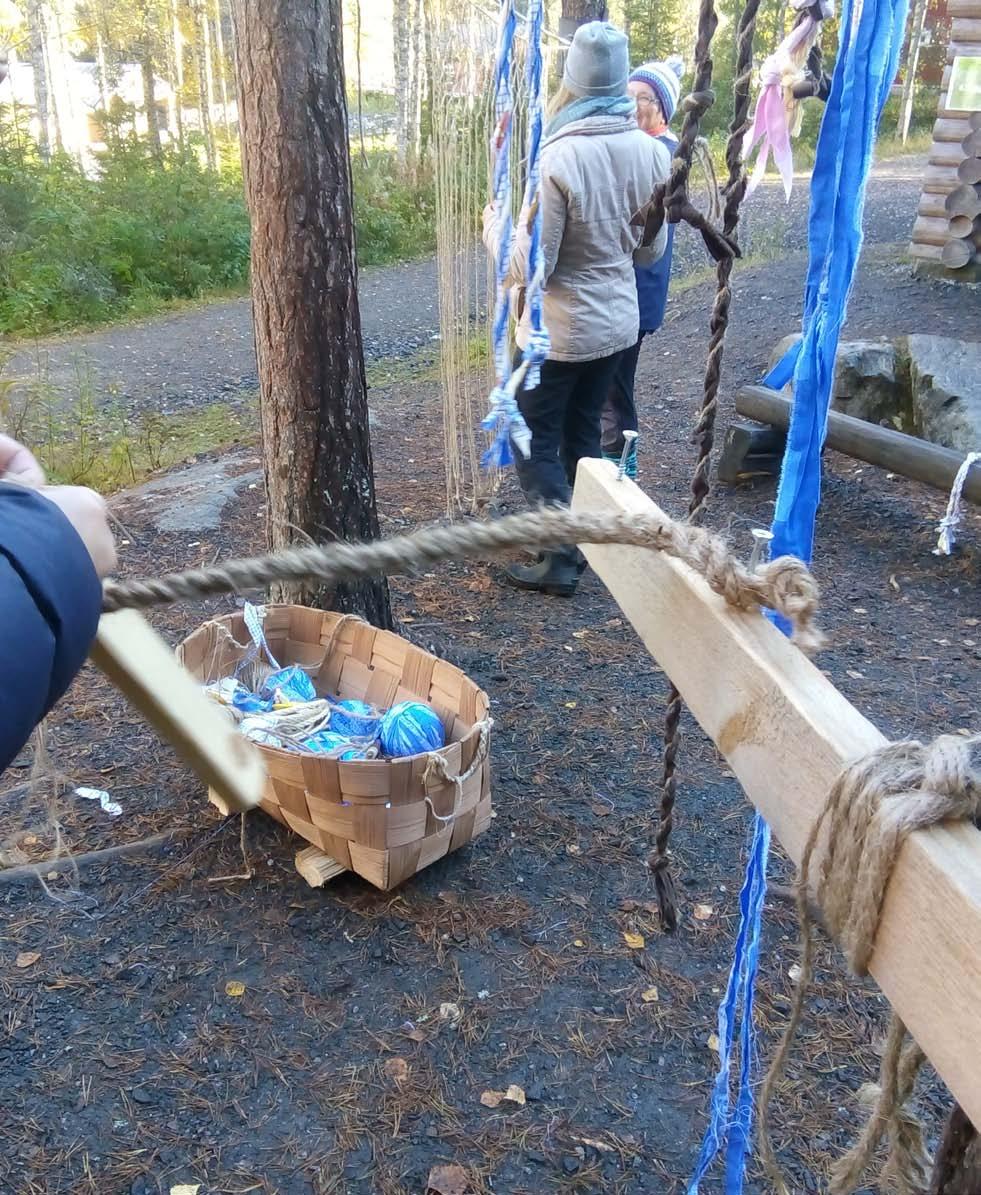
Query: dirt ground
(126, 1068)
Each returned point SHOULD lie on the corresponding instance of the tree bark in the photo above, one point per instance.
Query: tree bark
(579, 12)
(917, 22)
(205, 83)
(37, 34)
(957, 1169)
(357, 62)
(314, 407)
(177, 70)
(402, 47)
(222, 69)
(150, 101)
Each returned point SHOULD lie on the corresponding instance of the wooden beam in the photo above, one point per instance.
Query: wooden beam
(916, 459)
(142, 666)
(787, 733)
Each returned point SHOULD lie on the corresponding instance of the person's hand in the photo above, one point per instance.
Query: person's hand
(18, 464)
(87, 513)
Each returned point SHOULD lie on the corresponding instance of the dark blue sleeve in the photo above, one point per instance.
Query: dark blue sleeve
(50, 599)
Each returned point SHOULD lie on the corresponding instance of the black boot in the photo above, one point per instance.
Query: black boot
(557, 573)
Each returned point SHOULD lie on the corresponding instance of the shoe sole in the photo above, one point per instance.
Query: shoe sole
(547, 589)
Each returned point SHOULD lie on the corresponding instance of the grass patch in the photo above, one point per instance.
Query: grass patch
(107, 447)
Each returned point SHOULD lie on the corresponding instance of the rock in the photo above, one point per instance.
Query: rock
(570, 1164)
(946, 392)
(869, 384)
(781, 348)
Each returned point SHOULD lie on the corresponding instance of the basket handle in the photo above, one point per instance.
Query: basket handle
(438, 771)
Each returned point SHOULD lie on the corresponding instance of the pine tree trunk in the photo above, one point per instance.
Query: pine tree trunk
(314, 407)
(62, 76)
(177, 71)
(222, 69)
(402, 46)
(357, 62)
(150, 101)
(53, 107)
(37, 35)
(201, 48)
(916, 25)
(578, 12)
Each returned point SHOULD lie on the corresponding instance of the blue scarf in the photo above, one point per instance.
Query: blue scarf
(591, 105)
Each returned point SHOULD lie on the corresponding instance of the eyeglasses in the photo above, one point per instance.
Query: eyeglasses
(644, 101)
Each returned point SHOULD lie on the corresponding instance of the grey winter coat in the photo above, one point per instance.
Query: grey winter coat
(598, 178)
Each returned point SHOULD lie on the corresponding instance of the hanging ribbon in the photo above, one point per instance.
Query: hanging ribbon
(871, 37)
(777, 116)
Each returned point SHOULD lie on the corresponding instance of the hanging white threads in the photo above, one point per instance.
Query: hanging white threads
(951, 520)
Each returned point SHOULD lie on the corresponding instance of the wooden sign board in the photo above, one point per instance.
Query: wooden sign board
(139, 663)
(787, 733)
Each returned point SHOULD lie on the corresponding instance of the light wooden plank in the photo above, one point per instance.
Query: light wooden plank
(787, 733)
(139, 663)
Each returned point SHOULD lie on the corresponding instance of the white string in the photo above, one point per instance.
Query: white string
(951, 520)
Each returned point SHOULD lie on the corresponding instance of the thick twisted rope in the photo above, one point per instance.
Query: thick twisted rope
(871, 810)
(704, 436)
(785, 585)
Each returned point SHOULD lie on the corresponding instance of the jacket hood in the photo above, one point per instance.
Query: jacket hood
(593, 126)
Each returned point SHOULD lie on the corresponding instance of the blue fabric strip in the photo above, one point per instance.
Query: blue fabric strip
(870, 40)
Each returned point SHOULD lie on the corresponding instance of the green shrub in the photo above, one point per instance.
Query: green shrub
(78, 250)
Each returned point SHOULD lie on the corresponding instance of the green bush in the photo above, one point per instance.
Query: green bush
(394, 217)
(78, 250)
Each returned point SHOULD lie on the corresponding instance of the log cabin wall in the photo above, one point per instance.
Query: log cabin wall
(946, 237)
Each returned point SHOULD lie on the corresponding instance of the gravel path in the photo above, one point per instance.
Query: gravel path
(206, 352)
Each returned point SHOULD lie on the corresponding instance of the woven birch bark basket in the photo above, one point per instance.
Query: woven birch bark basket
(384, 819)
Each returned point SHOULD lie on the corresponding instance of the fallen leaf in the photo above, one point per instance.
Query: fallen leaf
(447, 1180)
(579, 634)
(571, 705)
(638, 906)
(713, 1042)
(634, 941)
(450, 1014)
(579, 901)
(416, 1035)
(703, 912)
(573, 848)
(579, 943)
(27, 959)
(650, 996)
(30, 840)
(794, 972)
(601, 810)
(235, 987)
(613, 623)
(594, 1144)
(894, 583)
(855, 675)
(513, 1095)
(185, 1189)
(859, 610)
(396, 1069)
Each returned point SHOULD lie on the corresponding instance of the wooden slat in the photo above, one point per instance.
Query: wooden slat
(964, 8)
(926, 252)
(143, 667)
(946, 153)
(966, 29)
(953, 128)
(787, 733)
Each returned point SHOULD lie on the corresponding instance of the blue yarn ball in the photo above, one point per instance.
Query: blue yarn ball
(355, 719)
(411, 728)
(324, 742)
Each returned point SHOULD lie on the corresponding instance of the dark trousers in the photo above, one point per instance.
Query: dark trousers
(620, 410)
(563, 415)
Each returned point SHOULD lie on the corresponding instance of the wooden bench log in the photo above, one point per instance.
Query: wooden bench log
(787, 733)
(750, 448)
(909, 456)
(963, 201)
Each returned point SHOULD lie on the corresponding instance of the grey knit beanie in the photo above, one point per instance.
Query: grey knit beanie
(598, 62)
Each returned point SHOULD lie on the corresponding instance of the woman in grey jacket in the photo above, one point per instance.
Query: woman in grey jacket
(598, 175)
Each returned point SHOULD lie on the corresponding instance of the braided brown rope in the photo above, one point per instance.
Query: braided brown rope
(704, 436)
(872, 808)
(785, 585)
